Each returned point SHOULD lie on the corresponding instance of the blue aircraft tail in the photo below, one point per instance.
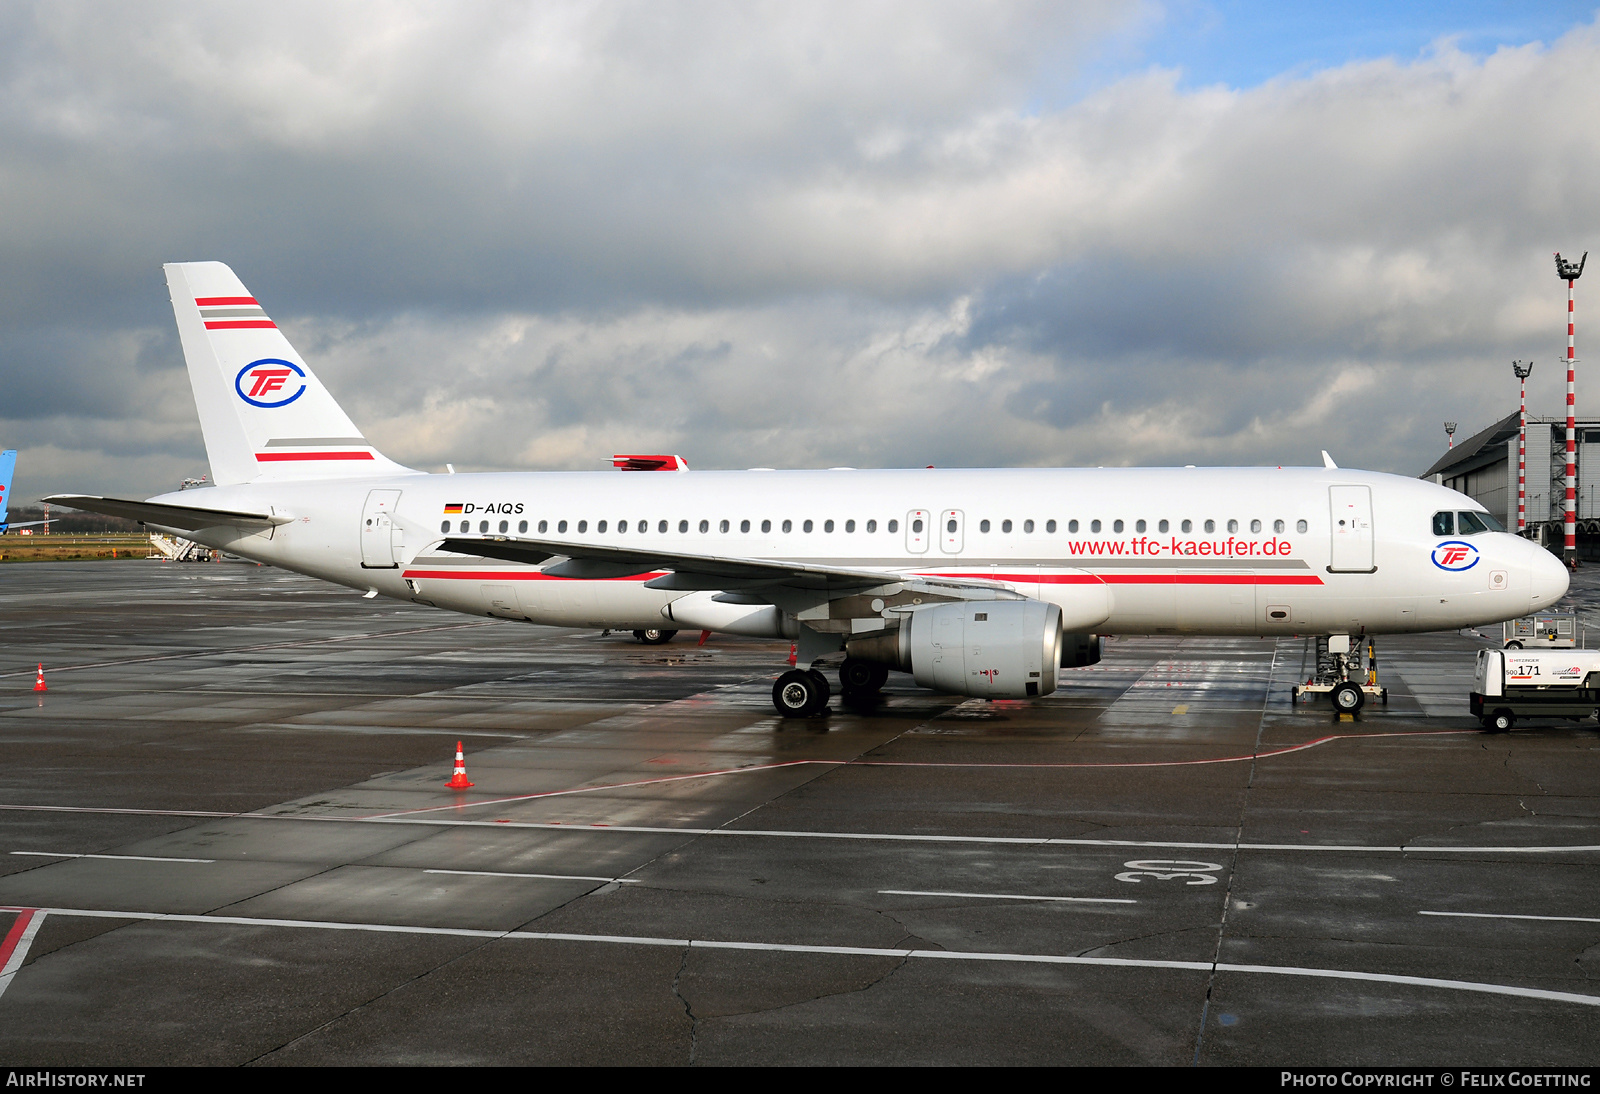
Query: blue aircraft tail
(8, 464)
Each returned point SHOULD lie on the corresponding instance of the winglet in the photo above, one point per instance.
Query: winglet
(1327, 461)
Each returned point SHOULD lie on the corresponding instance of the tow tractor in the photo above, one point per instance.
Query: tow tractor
(1343, 675)
(1512, 684)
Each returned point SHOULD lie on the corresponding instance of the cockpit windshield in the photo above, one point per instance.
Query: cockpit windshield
(1465, 522)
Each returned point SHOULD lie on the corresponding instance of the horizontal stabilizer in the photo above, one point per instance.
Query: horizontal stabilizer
(187, 517)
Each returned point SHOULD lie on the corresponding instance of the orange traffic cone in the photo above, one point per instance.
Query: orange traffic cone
(38, 681)
(458, 780)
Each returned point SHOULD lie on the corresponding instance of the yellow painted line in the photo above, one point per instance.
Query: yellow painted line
(1181, 709)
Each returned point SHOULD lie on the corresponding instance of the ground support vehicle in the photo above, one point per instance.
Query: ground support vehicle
(1512, 684)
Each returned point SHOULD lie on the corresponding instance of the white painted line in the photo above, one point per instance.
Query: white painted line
(1010, 896)
(852, 951)
(120, 858)
(1497, 915)
(551, 877)
(14, 947)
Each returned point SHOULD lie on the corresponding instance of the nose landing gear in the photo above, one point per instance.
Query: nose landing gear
(1341, 675)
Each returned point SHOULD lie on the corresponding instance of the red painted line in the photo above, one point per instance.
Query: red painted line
(519, 575)
(219, 301)
(14, 936)
(278, 457)
(1146, 579)
(237, 324)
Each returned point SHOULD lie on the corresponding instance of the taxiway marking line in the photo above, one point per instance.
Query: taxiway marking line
(903, 763)
(550, 877)
(1011, 896)
(14, 948)
(892, 837)
(1500, 915)
(850, 951)
(120, 858)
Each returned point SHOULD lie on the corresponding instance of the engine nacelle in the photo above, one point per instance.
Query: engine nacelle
(991, 649)
(1079, 650)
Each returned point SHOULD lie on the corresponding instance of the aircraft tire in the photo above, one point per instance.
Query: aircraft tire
(861, 679)
(796, 694)
(654, 636)
(1347, 698)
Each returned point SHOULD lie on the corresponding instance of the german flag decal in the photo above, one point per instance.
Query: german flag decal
(453, 508)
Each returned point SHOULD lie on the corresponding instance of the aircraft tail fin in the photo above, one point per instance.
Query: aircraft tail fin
(8, 465)
(264, 413)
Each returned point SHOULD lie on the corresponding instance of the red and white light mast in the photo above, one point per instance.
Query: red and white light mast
(1450, 434)
(1570, 272)
(1522, 371)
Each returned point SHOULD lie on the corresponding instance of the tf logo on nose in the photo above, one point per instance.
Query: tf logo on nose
(1455, 554)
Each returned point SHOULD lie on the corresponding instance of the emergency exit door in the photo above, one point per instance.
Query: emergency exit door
(1350, 508)
(380, 535)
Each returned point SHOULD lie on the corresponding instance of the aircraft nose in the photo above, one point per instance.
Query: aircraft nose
(1550, 578)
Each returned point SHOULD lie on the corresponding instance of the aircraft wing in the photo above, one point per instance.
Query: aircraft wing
(187, 517)
(28, 523)
(688, 571)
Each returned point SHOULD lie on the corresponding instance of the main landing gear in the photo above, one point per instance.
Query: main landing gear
(804, 693)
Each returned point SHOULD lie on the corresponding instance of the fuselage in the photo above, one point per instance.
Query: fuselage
(1183, 550)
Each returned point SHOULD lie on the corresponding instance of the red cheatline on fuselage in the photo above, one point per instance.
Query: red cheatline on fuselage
(278, 457)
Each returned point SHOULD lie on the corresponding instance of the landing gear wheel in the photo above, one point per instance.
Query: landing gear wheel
(861, 679)
(822, 686)
(654, 636)
(1500, 721)
(1347, 698)
(800, 694)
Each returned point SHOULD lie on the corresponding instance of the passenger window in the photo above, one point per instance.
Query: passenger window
(1049, 526)
(683, 526)
(1072, 526)
(583, 526)
(1117, 526)
(766, 526)
(1162, 526)
(1005, 526)
(893, 526)
(1187, 526)
(562, 527)
(505, 526)
(806, 527)
(1027, 526)
(1277, 526)
(445, 527)
(744, 526)
(1444, 524)
(1300, 526)
(1094, 526)
(788, 526)
(483, 526)
(1469, 523)
(522, 526)
(622, 526)
(465, 525)
(1255, 526)
(827, 526)
(950, 526)
(849, 526)
(723, 527)
(599, 528)
(916, 525)
(662, 527)
(1211, 526)
(705, 526)
(1233, 526)
(983, 526)
(872, 526)
(1139, 526)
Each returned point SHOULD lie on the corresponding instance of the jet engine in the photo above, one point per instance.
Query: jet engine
(991, 649)
(1079, 649)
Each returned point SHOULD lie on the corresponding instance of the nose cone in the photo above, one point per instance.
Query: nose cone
(1550, 578)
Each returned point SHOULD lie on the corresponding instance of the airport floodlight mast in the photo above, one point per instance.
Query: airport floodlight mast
(1522, 372)
(1450, 434)
(1570, 272)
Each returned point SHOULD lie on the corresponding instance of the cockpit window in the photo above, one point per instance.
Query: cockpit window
(1472, 523)
(1444, 524)
(1494, 525)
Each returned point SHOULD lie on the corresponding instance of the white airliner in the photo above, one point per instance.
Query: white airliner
(978, 582)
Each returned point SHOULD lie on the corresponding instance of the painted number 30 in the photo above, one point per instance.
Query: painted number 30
(1160, 869)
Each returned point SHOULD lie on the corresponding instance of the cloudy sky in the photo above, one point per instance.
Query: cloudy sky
(526, 236)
